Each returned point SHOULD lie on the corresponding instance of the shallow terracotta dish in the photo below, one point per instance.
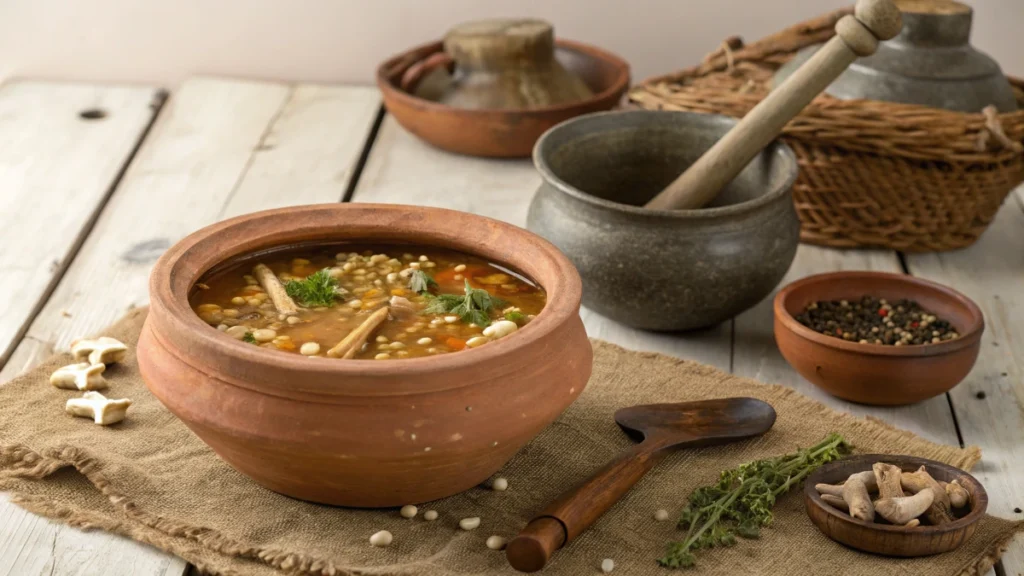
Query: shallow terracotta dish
(885, 538)
(872, 373)
(498, 133)
(360, 432)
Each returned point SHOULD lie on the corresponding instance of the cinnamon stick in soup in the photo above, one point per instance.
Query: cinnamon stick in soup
(352, 343)
(275, 290)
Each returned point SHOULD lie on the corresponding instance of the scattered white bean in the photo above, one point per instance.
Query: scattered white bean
(430, 515)
(415, 265)
(293, 320)
(382, 356)
(424, 341)
(476, 341)
(661, 515)
(253, 302)
(238, 301)
(381, 539)
(408, 511)
(237, 332)
(470, 523)
(392, 277)
(382, 339)
(460, 268)
(222, 327)
(396, 346)
(457, 277)
(357, 303)
(496, 543)
(264, 335)
(499, 484)
(451, 319)
(607, 565)
(428, 264)
(309, 348)
(500, 329)
(423, 258)
(403, 354)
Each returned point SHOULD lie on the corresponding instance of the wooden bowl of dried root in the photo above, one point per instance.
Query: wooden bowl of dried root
(895, 505)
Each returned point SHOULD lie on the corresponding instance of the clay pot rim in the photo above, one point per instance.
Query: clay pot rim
(979, 497)
(181, 266)
(913, 285)
(720, 212)
(391, 69)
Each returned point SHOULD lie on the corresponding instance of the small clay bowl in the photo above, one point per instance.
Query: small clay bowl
(662, 269)
(873, 373)
(498, 133)
(887, 539)
(361, 432)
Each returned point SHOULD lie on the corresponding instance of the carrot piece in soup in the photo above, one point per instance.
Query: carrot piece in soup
(455, 343)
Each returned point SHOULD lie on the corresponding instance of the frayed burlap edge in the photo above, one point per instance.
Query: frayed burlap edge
(22, 462)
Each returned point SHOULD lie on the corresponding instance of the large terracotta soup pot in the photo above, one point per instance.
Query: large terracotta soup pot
(358, 432)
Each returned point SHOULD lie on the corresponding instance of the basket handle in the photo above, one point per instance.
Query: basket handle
(856, 36)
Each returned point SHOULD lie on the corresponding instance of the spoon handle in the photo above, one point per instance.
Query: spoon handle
(856, 36)
(575, 510)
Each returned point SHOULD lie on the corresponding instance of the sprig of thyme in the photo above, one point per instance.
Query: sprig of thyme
(316, 290)
(420, 282)
(742, 500)
(473, 307)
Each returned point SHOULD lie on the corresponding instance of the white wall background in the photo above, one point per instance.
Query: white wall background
(165, 41)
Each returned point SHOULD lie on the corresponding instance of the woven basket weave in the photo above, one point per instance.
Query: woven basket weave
(872, 174)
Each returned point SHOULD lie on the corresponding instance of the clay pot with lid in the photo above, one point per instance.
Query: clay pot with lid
(504, 64)
(360, 432)
(930, 63)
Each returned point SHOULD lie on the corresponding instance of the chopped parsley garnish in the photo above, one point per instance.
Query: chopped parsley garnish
(473, 307)
(420, 282)
(249, 338)
(319, 289)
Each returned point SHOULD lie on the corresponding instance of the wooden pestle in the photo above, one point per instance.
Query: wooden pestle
(856, 36)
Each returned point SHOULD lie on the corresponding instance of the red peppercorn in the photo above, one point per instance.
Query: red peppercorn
(839, 332)
(914, 324)
(883, 312)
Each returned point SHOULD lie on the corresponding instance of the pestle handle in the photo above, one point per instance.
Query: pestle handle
(856, 36)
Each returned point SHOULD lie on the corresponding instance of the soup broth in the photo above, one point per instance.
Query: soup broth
(366, 302)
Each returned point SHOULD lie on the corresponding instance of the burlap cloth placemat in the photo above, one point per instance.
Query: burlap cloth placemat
(150, 479)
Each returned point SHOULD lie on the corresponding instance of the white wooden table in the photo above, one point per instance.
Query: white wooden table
(97, 200)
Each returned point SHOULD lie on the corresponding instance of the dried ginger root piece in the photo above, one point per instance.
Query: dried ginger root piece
(939, 512)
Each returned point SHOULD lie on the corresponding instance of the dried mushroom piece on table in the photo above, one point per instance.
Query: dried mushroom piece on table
(102, 350)
(82, 376)
(101, 409)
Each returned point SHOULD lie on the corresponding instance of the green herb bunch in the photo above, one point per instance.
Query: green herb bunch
(318, 289)
(742, 500)
(473, 307)
(248, 337)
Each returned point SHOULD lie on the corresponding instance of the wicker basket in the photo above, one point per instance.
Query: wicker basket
(872, 174)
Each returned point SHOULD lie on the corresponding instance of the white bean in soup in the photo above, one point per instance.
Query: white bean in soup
(367, 302)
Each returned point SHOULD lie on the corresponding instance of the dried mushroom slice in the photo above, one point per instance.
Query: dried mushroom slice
(102, 350)
(83, 376)
(101, 409)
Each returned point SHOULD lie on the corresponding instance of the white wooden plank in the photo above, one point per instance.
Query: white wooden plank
(755, 354)
(220, 148)
(403, 170)
(991, 272)
(56, 169)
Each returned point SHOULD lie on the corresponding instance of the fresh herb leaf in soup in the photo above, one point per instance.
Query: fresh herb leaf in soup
(382, 303)
(420, 282)
(473, 308)
(319, 289)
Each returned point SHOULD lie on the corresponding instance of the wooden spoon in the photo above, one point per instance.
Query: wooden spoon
(856, 36)
(660, 427)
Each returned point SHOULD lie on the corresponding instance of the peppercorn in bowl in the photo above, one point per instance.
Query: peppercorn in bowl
(877, 338)
(376, 415)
